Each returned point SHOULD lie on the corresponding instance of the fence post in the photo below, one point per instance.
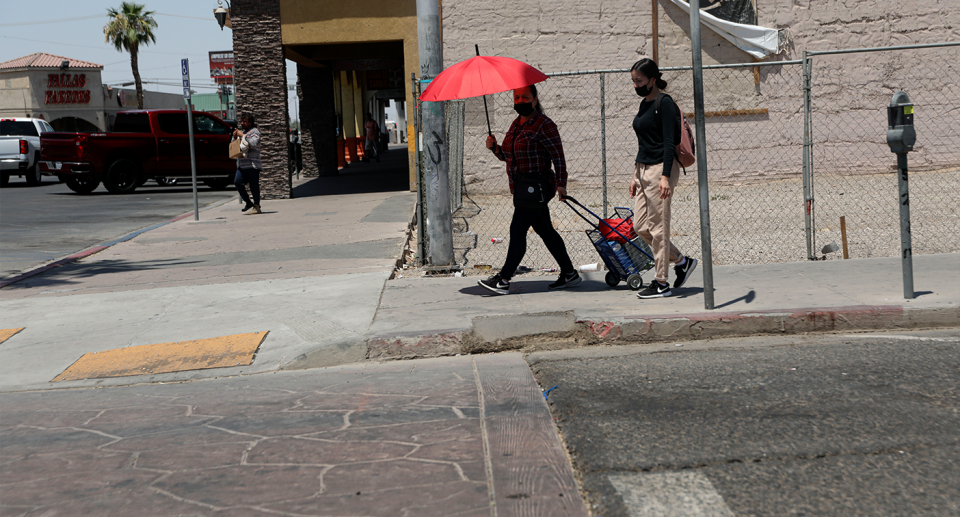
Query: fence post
(421, 231)
(807, 158)
(603, 139)
(700, 119)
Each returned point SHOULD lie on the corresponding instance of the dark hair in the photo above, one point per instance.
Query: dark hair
(249, 117)
(649, 69)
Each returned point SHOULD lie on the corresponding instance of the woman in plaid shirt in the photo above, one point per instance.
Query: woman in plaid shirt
(529, 147)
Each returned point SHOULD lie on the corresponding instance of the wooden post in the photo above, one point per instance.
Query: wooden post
(843, 235)
(656, 32)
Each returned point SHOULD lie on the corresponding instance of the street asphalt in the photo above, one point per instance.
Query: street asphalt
(47, 222)
(806, 425)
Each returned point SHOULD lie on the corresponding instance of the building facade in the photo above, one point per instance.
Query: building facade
(68, 93)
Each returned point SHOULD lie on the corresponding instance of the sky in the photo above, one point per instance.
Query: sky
(186, 29)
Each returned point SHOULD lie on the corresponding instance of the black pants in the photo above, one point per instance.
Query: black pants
(251, 176)
(539, 219)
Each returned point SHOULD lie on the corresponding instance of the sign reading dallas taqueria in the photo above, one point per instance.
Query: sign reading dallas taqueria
(61, 96)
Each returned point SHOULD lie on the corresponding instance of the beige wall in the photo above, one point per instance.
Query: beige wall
(569, 35)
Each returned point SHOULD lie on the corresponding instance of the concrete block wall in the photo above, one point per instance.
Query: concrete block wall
(260, 72)
(566, 35)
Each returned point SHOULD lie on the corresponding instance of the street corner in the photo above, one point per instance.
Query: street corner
(201, 354)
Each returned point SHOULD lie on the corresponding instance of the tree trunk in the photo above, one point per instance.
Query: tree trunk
(136, 76)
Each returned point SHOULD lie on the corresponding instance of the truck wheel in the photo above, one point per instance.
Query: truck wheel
(33, 175)
(123, 176)
(218, 184)
(82, 185)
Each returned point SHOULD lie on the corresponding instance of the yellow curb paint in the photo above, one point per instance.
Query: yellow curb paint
(6, 334)
(216, 352)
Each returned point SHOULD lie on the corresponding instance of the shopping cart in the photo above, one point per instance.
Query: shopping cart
(624, 253)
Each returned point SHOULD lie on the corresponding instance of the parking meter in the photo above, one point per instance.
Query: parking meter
(900, 133)
(900, 137)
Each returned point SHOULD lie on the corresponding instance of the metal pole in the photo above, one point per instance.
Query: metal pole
(807, 146)
(436, 160)
(700, 121)
(193, 161)
(421, 232)
(603, 139)
(906, 244)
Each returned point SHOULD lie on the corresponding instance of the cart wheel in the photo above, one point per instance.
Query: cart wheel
(635, 281)
(612, 278)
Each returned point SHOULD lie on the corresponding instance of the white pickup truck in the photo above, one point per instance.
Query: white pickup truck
(20, 148)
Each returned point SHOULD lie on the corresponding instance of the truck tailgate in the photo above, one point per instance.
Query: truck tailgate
(59, 147)
(9, 147)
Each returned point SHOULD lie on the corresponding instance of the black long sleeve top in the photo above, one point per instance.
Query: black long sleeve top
(657, 135)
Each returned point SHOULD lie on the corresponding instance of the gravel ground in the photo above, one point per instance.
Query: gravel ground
(752, 223)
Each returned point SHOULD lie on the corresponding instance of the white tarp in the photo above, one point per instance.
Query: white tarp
(757, 41)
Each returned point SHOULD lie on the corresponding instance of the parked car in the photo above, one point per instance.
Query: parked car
(144, 144)
(20, 148)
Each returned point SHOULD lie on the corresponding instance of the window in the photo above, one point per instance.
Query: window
(47, 128)
(17, 128)
(173, 123)
(209, 126)
(132, 123)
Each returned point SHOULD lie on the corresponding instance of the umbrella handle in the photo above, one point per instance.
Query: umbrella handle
(486, 111)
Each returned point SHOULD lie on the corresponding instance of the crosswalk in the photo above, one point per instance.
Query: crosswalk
(688, 493)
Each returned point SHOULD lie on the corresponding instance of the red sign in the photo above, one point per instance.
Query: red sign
(221, 66)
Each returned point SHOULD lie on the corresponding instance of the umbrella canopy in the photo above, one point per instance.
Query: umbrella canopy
(481, 75)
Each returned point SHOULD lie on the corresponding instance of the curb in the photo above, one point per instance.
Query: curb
(104, 245)
(651, 329)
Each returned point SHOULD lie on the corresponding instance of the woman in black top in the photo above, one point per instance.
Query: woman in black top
(655, 177)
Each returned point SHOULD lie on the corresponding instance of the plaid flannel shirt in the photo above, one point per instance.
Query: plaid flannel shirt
(528, 148)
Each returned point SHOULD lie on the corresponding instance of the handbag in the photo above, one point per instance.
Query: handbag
(235, 151)
(530, 193)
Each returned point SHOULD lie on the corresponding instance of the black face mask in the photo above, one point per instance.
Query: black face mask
(524, 109)
(643, 91)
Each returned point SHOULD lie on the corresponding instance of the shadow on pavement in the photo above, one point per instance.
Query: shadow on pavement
(391, 174)
(72, 273)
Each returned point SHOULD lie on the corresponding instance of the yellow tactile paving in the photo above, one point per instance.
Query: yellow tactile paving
(6, 334)
(216, 352)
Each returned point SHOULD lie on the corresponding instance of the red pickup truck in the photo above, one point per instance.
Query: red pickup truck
(144, 144)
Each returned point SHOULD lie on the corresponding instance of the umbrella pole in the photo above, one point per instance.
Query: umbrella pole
(486, 110)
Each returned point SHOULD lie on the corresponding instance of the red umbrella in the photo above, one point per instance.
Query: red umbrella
(481, 75)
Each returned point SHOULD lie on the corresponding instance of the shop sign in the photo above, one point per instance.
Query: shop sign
(66, 96)
(221, 65)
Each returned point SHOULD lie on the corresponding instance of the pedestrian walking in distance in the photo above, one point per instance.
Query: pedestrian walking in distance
(529, 147)
(655, 177)
(372, 130)
(249, 165)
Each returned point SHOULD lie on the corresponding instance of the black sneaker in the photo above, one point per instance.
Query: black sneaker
(655, 290)
(246, 207)
(566, 280)
(683, 272)
(496, 284)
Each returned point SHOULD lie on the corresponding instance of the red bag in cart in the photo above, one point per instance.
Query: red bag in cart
(610, 228)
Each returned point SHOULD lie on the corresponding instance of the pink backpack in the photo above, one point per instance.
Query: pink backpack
(686, 152)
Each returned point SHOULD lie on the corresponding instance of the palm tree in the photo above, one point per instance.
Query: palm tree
(130, 27)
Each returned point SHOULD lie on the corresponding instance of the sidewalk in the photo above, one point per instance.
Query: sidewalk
(454, 435)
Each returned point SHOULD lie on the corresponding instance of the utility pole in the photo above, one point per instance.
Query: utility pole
(439, 223)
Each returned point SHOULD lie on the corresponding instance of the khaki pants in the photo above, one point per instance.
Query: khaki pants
(651, 215)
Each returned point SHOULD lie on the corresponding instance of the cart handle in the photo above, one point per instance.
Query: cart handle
(567, 199)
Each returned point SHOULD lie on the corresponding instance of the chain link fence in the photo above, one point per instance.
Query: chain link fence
(853, 171)
(755, 145)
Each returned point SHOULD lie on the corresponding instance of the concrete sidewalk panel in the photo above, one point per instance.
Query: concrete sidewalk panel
(531, 474)
(490, 329)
